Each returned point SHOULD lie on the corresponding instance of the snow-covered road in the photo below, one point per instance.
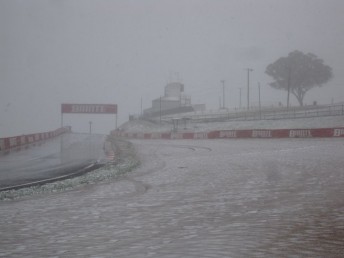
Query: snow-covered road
(208, 198)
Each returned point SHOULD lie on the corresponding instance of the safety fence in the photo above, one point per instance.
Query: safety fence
(265, 113)
(24, 140)
(259, 133)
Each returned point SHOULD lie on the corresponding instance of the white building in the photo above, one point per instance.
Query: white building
(173, 101)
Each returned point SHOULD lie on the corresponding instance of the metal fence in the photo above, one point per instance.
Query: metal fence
(262, 114)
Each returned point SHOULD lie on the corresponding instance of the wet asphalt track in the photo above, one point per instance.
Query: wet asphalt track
(56, 157)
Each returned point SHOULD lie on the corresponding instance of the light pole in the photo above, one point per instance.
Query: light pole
(90, 122)
(248, 87)
(160, 112)
(239, 98)
(223, 93)
(260, 107)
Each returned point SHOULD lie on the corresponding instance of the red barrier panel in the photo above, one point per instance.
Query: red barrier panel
(322, 132)
(147, 136)
(166, 135)
(188, 135)
(5, 145)
(2, 144)
(215, 135)
(280, 133)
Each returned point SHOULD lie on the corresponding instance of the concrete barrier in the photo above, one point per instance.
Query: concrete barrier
(228, 134)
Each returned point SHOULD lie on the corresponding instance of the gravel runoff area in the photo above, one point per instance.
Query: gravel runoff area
(299, 123)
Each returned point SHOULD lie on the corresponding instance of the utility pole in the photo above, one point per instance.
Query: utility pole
(223, 93)
(61, 119)
(260, 107)
(90, 122)
(160, 110)
(248, 87)
(239, 98)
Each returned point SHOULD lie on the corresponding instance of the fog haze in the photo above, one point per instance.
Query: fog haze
(117, 52)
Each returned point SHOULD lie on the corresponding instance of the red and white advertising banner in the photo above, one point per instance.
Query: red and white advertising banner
(258, 133)
(89, 108)
(19, 141)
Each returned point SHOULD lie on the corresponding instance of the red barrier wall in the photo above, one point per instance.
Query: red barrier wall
(20, 141)
(255, 133)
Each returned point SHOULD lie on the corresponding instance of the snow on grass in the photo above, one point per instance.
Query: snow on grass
(142, 126)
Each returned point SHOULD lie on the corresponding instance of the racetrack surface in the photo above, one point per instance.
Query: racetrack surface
(62, 155)
(205, 198)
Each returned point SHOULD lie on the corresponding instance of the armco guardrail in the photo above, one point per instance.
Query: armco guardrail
(258, 133)
(23, 140)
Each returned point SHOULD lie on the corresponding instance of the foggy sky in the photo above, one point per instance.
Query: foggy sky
(115, 52)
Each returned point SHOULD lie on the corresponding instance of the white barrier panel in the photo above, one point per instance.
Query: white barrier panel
(338, 132)
(176, 135)
(155, 135)
(22, 140)
(261, 134)
(140, 135)
(300, 133)
(200, 135)
(13, 142)
(228, 134)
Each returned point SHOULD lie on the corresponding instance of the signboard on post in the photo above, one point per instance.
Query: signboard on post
(88, 109)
